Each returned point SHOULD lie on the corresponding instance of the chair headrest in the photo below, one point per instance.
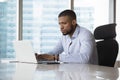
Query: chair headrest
(105, 31)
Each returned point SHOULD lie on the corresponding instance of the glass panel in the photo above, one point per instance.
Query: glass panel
(40, 23)
(92, 13)
(8, 14)
(118, 23)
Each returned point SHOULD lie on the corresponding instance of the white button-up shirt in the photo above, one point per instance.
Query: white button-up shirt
(80, 48)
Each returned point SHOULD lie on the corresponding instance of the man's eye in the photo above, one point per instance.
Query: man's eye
(64, 23)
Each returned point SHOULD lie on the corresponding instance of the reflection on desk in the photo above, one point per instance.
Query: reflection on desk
(23, 71)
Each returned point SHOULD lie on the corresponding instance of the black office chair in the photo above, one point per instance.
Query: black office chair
(107, 46)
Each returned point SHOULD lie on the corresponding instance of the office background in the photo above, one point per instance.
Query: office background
(36, 20)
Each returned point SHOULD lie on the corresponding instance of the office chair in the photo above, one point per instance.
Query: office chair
(107, 46)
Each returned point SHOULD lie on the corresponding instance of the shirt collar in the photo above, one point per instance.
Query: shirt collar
(76, 32)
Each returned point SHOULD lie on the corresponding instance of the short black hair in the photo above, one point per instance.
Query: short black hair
(69, 13)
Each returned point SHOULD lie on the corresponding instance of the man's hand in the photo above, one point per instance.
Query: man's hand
(44, 57)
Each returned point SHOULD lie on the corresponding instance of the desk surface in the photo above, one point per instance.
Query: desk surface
(23, 71)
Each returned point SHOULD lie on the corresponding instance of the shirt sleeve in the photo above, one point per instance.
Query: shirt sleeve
(58, 49)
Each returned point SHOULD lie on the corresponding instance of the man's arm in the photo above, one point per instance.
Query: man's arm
(46, 57)
(58, 49)
(53, 54)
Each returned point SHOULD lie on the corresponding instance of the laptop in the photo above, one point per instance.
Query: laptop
(25, 53)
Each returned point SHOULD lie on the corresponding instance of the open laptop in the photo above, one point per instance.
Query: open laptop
(25, 53)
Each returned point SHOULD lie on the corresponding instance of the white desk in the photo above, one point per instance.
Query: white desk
(23, 71)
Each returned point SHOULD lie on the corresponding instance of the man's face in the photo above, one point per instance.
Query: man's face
(66, 25)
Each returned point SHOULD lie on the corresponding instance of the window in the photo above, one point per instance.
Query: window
(40, 22)
(8, 14)
(91, 14)
(118, 22)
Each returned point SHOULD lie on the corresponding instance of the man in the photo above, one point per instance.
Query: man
(77, 43)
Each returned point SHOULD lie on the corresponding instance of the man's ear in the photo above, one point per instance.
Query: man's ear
(74, 22)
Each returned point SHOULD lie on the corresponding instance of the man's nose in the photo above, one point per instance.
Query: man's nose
(61, 27)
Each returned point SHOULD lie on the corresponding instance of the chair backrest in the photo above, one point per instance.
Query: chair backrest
(107, 46)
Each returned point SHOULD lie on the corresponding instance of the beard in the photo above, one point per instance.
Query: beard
(70, 31)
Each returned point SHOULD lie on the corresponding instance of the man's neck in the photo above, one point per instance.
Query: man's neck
(73, 31)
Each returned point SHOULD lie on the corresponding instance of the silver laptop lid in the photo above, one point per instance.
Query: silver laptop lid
(24, 51)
